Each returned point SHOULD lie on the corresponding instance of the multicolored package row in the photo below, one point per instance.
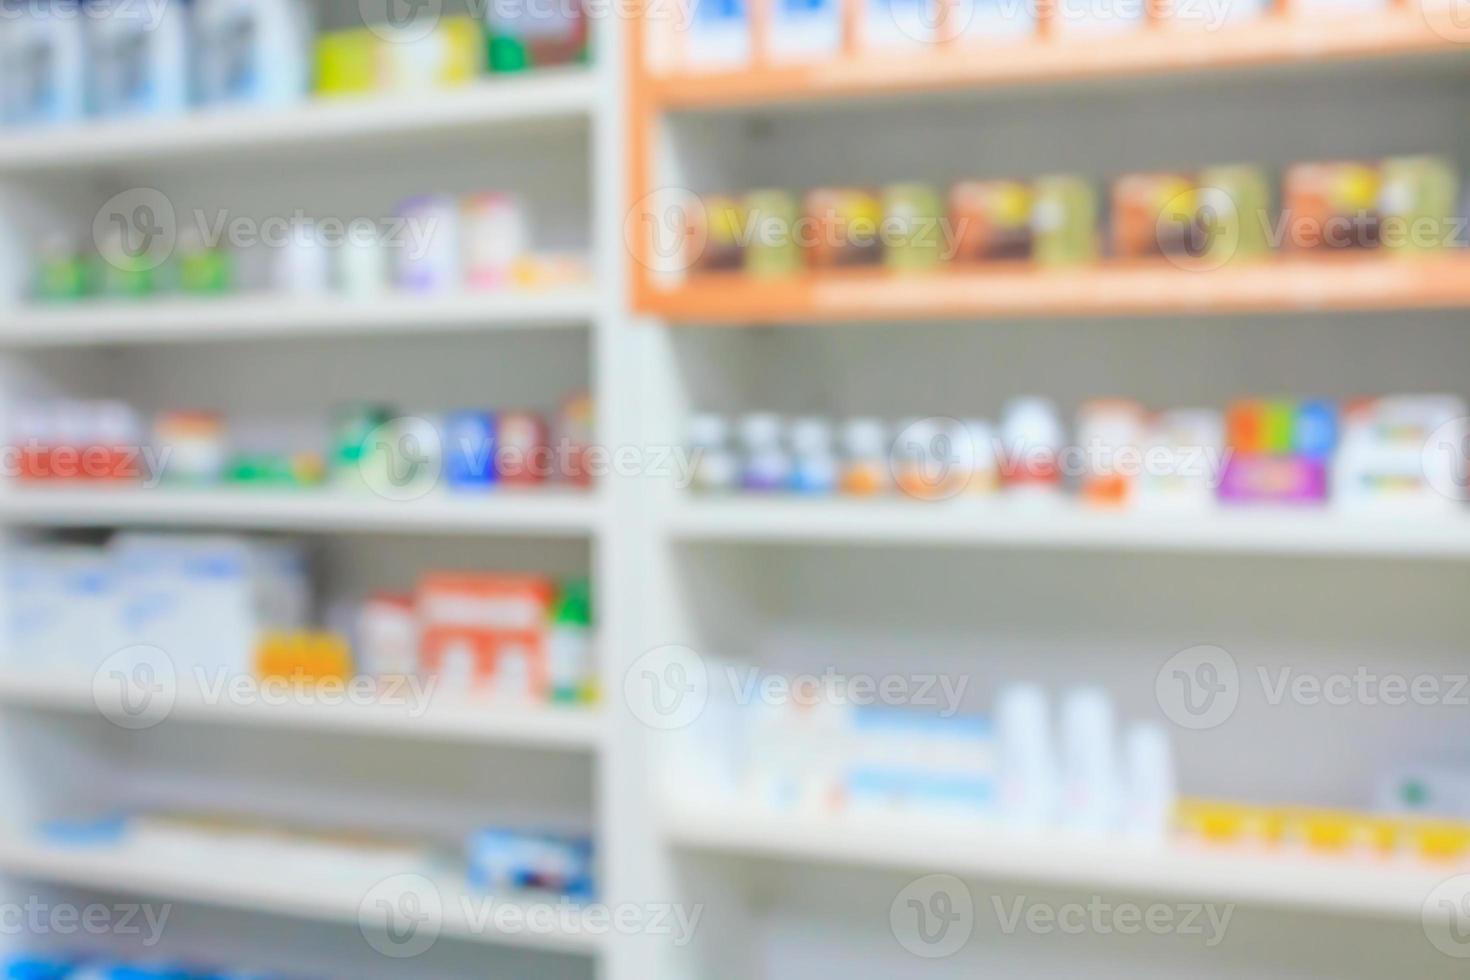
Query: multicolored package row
(430, 244)
(1403, 451)
(1220, 214)
(726, 35)
(372, 448)
(67, 60)
(221, 606)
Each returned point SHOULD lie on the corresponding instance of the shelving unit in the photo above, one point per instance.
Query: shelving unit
(557, 100)
(546, 135)
(1347, 886)
(441, 718)
(967, 524)
(137, 872)
(268, 318)
(1282, 285)
(989, 592)
(527, 513)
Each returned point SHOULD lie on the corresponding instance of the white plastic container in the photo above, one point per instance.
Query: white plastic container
(767, 464)
(492, 237)
(43, 63)
(252, 51)
(1029, 778)
(427, 250)
(302, 266)
(718, 35)
(1090, 797)
(139, 67)
(803, 30)
(716, 468)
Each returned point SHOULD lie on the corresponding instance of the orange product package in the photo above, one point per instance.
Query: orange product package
(486, 632)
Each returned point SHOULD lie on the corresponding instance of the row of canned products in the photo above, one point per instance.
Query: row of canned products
(1405, 204)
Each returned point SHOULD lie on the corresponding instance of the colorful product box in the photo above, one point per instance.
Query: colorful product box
(842, 226)
(522, 456)
(1280, 451)
(991, 220)
(1154, 214)
(486, 632)
(470, 450)
(717, 235)
(1332, 205)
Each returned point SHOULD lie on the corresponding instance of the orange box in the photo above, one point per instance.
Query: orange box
(1154, 214)
(1332, 205)
(486, 631)
(305, 656)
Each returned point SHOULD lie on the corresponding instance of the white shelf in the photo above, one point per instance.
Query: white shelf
(530, 513)
(961, 523)
(537, 99)
(1384, 890)
(137, 871)
(444, 718)
(266, 318)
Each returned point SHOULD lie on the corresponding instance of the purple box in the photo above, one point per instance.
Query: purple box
(1252, 478)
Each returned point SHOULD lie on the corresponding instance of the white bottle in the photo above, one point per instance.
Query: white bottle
(716, 468)
(767, 465)
(302, 266)
(139, 67)
(814, 465)
(1090, 800)
(1029, 780)
(362, 262)
(717, 35)
(1152, 784)
(43, 58)
(252, 51)
(1032, 437)
(805, 29)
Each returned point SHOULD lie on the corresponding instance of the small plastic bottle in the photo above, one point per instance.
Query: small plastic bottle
(1032, 436)
(865, 468)
(814, 467)
(985, 464)
(767, 464)
(1029, 780)
(1152, 784)
(1091, 784)
(716, 468)
(570, 644)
